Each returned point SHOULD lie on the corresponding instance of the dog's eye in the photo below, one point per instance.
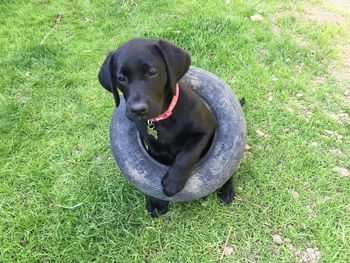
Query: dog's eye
(121, 78)
(152, 72)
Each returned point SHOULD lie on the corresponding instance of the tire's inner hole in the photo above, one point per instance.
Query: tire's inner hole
(167, 159)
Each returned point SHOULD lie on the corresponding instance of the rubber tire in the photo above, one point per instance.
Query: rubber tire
(213, 170)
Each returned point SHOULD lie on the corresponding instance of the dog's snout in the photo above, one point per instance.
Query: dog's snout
(139, 108)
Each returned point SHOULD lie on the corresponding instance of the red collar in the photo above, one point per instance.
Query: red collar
(169, 111)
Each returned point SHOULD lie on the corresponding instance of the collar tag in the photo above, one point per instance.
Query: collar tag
(151, 129)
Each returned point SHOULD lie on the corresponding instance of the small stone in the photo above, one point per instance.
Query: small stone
(247, 147)
(277, 239)
(329, 132)
(228, 251)
(290, 247)
(294, 194)
(287, 240)
(260, 133)
(28, 74)
(299, 95)
(342, 171)
(313, 255)
(264, 52)
(274, 79)
(270, 98)
(336, 152)
(257, 17)
(314, 144)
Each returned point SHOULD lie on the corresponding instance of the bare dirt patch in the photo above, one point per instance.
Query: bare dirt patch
(339, 3)
(318, 14)
(342, 72)
(310, 255)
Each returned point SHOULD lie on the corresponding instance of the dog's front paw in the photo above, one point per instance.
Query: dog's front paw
(172, 184)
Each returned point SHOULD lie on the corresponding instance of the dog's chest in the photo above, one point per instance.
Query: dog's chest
(170, 140)
(166, 137)
(161, 133)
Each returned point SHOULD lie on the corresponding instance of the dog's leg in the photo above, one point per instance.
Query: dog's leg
(177, 175)
(156, 207)
(226, 193)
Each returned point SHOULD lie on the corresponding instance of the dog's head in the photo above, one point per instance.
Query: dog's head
(146, 71)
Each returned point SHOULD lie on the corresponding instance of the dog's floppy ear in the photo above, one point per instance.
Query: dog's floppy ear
(177, 62)
(107, 78)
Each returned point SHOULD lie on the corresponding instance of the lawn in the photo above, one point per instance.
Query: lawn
(62, 197)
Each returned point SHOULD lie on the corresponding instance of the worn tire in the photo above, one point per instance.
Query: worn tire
(213, 170)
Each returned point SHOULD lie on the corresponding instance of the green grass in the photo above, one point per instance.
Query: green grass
(62, 198)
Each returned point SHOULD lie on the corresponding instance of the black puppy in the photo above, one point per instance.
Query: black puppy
(173, 121)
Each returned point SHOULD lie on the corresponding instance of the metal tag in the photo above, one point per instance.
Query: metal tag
(151, 129)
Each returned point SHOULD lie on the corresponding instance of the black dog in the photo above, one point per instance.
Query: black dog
(147, 72)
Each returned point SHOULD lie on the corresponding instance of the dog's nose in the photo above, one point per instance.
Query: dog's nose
(139, 108)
